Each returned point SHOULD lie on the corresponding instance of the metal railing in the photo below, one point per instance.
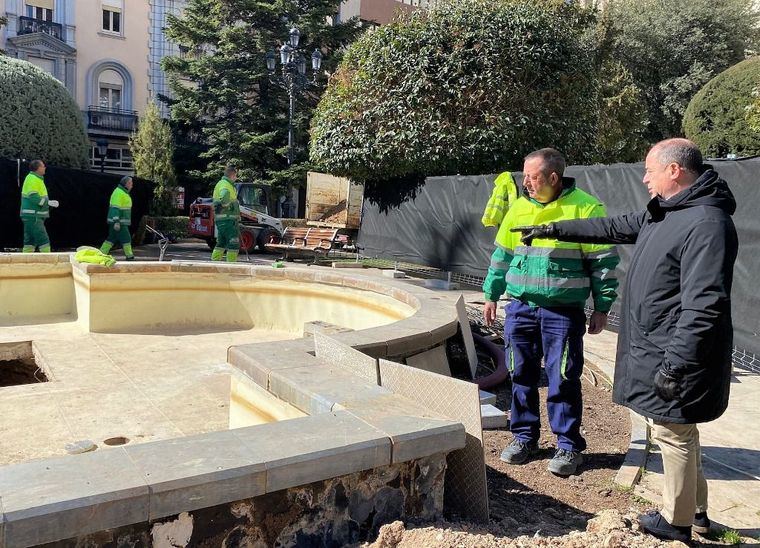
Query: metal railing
(29, 25)
(114, 119)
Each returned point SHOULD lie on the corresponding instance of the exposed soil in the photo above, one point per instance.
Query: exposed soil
(23, 371)
(529, 506)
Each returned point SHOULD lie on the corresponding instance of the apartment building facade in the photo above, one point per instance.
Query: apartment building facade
(106, 52)
(379, 12)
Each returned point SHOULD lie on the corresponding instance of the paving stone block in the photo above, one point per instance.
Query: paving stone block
(54, 499)
(486, 398)
(257, 361)
(492, 417)
(185, 474)
(309, 449)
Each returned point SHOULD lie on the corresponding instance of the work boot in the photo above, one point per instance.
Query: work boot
(131, 258)
(518, 452)
(656, 525)
(565, 463)
(701, 523)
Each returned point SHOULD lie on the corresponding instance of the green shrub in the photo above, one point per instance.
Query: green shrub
(716, 118)
(38, 117)
(468, 87)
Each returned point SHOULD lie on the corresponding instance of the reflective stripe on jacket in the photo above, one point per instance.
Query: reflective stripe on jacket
(504, 193)
(552, 273)
(34, 198)
(120, 208)
(226, 206)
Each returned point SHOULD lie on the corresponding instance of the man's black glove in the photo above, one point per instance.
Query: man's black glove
(535, 231)
(668, 383)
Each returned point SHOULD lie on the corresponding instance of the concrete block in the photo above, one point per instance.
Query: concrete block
(336, 264)
(492, 417)
(325, 328)
(486, 398)
(396, 274)
(629, 473)
(54, 499)
(434, 360)
(185, 474)
(302, 451)
(334, 352)
(257, 361)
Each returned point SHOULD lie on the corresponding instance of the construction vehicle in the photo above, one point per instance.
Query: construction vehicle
(257, 227)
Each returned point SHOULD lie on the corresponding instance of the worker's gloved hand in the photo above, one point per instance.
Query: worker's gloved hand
(668, 384)
(530, 232)
(53, 203)
(117, 226)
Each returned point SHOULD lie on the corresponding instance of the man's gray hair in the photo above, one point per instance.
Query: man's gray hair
(34, 165)
(230, 169)
(552, 160)
(683, 152)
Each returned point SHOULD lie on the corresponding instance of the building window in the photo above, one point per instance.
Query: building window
(111, 20)
(118, 158)
(110, 89)
(39, 13)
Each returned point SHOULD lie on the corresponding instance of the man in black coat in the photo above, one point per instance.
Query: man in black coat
(676, 337)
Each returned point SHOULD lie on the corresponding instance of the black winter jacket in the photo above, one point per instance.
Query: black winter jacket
(676, 305)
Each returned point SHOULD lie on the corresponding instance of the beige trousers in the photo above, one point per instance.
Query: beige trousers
(685, 489)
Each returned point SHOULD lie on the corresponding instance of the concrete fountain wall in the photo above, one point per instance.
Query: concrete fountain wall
(370, 449)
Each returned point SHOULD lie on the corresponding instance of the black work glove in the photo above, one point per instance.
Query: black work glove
(535, 231)
(668, 383)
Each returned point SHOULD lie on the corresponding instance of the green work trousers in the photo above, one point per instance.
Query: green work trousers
(35, 236)
(227, 239)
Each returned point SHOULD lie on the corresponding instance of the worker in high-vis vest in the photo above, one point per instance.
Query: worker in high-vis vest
(120, 219)
(35, 208)
(226, 217)
(548, 283)
(504, 193)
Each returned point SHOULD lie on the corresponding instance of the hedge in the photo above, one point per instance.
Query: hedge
(38, 117)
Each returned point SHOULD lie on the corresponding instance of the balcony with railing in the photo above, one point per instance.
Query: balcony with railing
(111, 119)
(29, 25)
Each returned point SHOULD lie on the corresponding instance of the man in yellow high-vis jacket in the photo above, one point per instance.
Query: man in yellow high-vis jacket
(35, 208)
(119, 219)
(226, 217)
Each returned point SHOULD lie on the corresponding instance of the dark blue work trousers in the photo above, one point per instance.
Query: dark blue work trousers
(556, 335)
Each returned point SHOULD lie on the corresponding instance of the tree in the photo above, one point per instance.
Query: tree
(222, 81)
(38, 117)
(623, 117)
(152, 152)
(673, 47)
(720, 117)
(469, 87)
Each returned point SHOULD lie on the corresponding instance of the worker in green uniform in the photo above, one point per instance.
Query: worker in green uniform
(226, 217)
(35, 208)
(119, 219)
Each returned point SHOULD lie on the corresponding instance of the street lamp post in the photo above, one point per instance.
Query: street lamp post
(293, 61)
(102, 145)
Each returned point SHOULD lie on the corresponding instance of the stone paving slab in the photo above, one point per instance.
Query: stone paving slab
(64, 497)
(194, 472)
(317, 448)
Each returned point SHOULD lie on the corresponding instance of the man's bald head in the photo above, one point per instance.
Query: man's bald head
(680, 151)
(671, 166)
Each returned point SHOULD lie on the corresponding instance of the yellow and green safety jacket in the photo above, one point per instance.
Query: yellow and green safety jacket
(550, 272)
(504, 193)
(120, 208)
(34, 198)
(226, 205)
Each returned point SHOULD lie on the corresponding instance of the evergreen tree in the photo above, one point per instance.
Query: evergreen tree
(222, 81)
(152, 151)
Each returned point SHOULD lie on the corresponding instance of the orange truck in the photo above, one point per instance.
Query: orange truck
(257, 227)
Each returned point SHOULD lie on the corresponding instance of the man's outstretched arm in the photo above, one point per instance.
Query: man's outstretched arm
(623, 229)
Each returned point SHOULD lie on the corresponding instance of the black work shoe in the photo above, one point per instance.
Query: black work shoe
(701, 523)
(518, 452)
(565, 463)
(130, 258)
(656, 525)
